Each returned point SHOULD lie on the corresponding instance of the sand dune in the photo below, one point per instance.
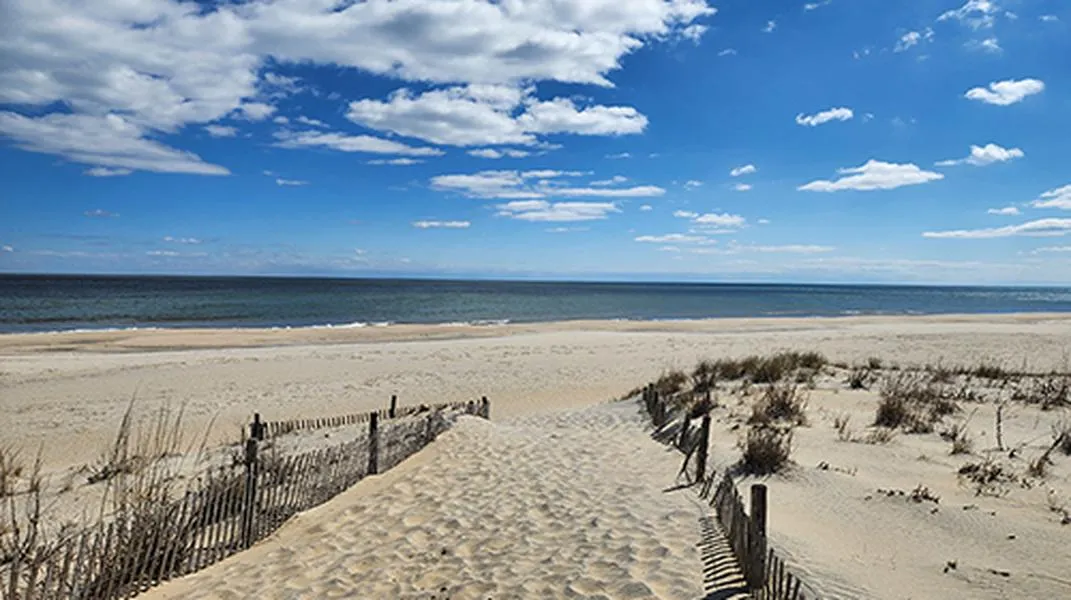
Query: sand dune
(571, 505)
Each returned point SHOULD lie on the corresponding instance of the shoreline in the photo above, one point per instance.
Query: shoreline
(163, 339)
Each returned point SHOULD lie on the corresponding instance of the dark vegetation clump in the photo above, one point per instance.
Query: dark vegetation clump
(910, 402)
(766, 450)
(780, 402)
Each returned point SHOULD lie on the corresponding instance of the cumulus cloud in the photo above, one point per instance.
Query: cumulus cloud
(107, 141)
(742, 187)
(976, 14)
(1056, 198)
(723, 220)
(770, 27)
(692, 184)
(493, 153)
(675, 238)
(544, 211)
(615, 180)
(1004, 93)
(1008, 211)
(685, 214)
(441, 224)
(489, 115)
(541, 183)
(398, 162)
(7, 248)
(833, 114)
(220, 131)
(874, 175)
(981, 156)
(290, 182)
(349, 143)
(744, 170)
(1049, 18)
(991, 45)
(646, 207)
(162, 65)
(912, 39)
(309, 121)
(1038, 228)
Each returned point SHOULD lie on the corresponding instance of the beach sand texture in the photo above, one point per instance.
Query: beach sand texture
(528, 485)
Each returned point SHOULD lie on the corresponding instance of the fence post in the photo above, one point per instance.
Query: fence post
(393, 406)
(256, 428)
(758, 544)
(373, 444)
(683, 439)
(701, 454)
(486, 408)
(249, 506)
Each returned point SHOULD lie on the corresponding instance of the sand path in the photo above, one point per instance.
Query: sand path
(574, 504)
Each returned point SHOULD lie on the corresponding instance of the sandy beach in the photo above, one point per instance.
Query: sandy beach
(499, 509)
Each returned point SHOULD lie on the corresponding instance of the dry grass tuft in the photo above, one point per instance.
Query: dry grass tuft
(840, 423)
(671, 383)
(766, 450)
(1049, 392)
(11, 469)
(989, 478)
(780, 402)
(859, 378)
(910, 402)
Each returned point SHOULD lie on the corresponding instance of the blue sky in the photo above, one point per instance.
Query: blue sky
(845, 140)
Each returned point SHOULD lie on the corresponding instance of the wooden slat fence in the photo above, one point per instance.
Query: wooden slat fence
(222, 513)
(766, 574)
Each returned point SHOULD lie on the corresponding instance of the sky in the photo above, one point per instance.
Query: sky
(740, 140)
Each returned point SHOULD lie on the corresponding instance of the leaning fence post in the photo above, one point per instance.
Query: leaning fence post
(373, 444)
(704, 443)
(393, 406)
(486, 408)
(250, 489)
(758, 544)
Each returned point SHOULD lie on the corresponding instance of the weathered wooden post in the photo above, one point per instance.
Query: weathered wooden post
(683, 439)
(486, 408)
(256, 428)
(757, 545)
(373, 444)
(701, 453)
(249, 505)
(393, 406)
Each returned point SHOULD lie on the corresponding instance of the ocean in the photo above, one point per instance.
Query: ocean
(39, 303)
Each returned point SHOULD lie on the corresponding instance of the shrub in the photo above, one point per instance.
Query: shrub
(780, 402)
(1049, 392)
(988, 371)
(840, 423)
(766, 450)
(879, 435)
(704, 377)
(859, 378)
(913, 404)
(670, 383)
(873, 363)
(988, 477)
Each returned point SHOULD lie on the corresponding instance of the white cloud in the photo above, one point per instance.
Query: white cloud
(398, 162)
(281, 120)
(543, 211)
(108, 141)
(619, 155)
(1048, 249)
(833, 114)
(1003, 93)
(349, 143)
(816, 5)
(189, 241)
(976, 14)
(167, 253)
(1056, 198)
(981, 156)
(646, 207)
(723, 220)
(499, 153)
(312, 122)
(7, 248)
(565, 229)
(991, 45)
(763, 221)
(615, 180)
(727, 52)
(532, 184)
(441, 224)
(692, 184)
(1049, 18)
(290, 182)
(106, 172)
(770, 26)
(489, 115)
(912, 39)
(784, 249)
(100, 213)
(1038, 228)
(742, 187)
(254, 111)
(874, 175)
(675, 238)
(1008, 211)
(693, 32)
(219, 131)
(685, 214)
(744, 170)
(163, 64)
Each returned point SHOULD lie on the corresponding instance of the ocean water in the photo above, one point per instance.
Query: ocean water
(36, 303)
